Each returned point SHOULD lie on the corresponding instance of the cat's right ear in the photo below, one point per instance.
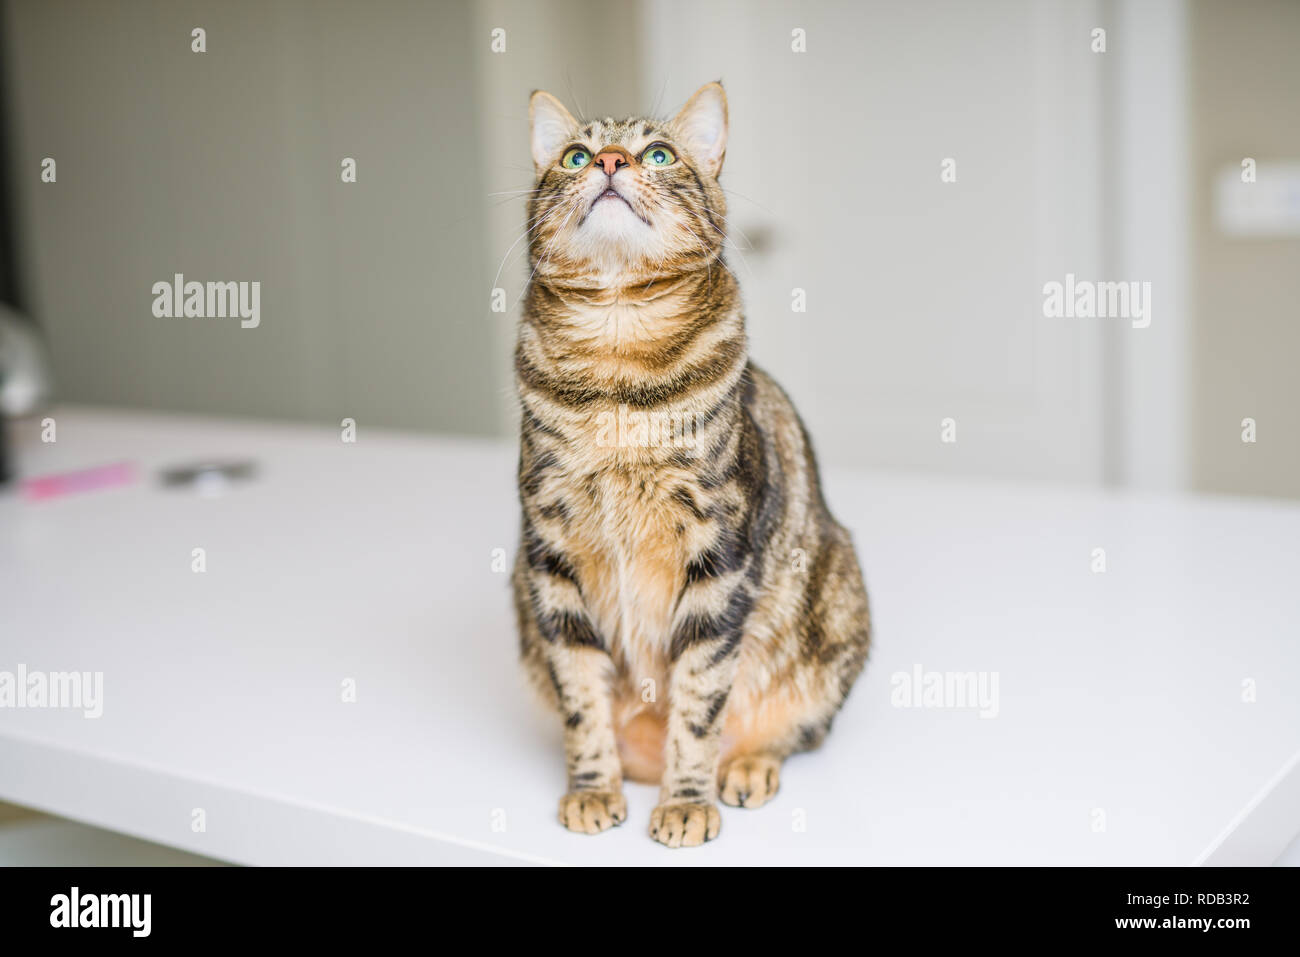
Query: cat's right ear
(552, 128)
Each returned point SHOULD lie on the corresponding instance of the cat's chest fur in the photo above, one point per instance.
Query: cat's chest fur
(630, 548)
(629, 488)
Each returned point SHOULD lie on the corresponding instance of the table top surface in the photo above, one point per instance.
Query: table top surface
(1145, 714)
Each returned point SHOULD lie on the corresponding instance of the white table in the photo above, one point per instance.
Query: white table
(1121, 694)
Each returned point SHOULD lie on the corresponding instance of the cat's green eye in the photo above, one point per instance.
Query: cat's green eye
(658, 155)
(576, 158)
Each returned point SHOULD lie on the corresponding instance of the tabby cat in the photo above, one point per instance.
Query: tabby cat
(685, 599)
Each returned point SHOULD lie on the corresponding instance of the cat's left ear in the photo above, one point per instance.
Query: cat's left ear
(552, 127)
(703, 126)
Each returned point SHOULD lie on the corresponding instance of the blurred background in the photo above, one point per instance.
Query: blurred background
(923, 297)
(1114, 156)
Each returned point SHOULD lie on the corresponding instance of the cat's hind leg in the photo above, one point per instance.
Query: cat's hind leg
(762, 729)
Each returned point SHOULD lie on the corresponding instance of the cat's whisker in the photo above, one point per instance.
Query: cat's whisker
(729, 244)
(732, 192)
(546, 217)
(573, 208)
(509, 199)
(725, 239)
(708, 263)
(749, 245)
(663, 88)
(573, 97)
(506, 257)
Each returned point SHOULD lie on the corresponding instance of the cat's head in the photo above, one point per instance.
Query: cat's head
(635, 198)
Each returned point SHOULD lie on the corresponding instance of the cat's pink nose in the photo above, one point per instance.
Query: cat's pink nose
(611, 162)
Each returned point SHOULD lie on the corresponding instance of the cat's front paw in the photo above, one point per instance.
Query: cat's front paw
(590, 812)
(685, 825)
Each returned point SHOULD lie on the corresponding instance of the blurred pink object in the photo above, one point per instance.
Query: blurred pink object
(82, 480)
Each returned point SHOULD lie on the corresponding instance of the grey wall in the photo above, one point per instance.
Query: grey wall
(225, 165)
(1246, 292)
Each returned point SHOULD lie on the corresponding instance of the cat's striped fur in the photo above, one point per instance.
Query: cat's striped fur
(685, 598)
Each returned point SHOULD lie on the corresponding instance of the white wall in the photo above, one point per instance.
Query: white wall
(924, 298)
